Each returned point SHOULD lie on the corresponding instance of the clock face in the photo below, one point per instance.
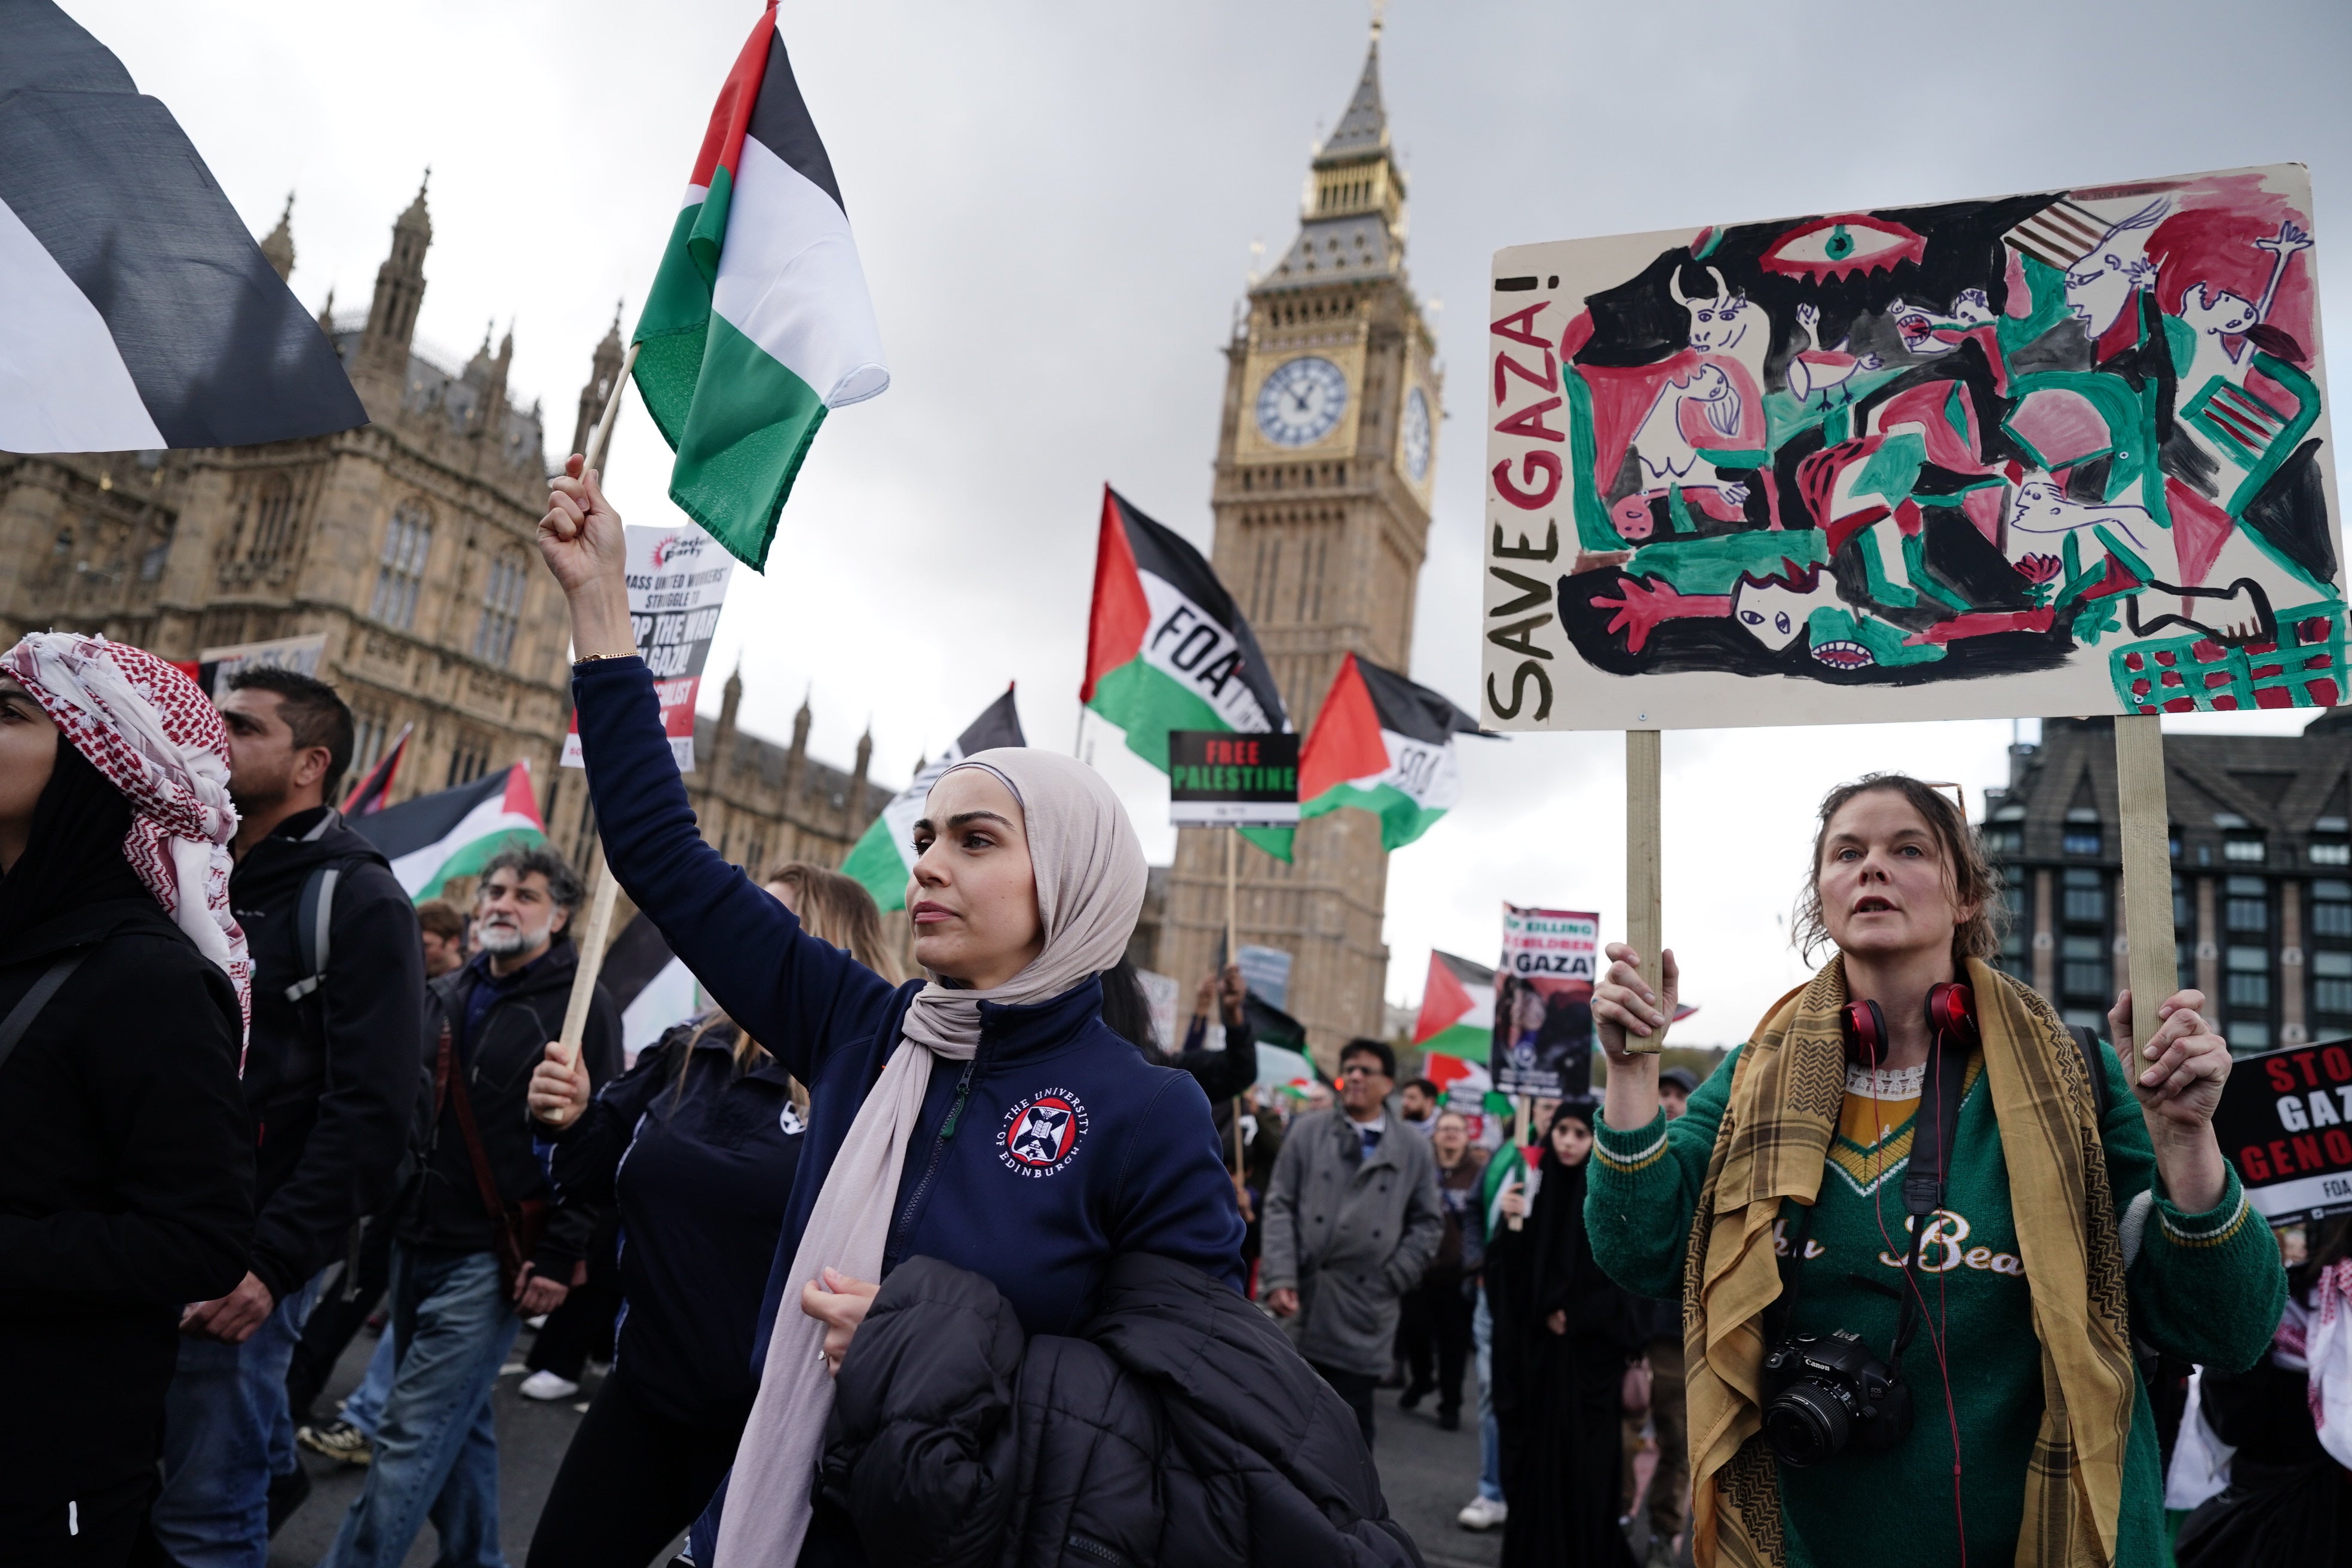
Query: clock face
(1416, 435)
(1301, 400)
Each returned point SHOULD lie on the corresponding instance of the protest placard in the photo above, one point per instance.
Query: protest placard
(1543, 1001)
(2285, 1121)
(1220, 779)
(677, 581)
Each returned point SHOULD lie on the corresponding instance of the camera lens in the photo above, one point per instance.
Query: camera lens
(1805, 1426)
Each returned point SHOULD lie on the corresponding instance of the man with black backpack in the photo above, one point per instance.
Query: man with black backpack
(331, 1083)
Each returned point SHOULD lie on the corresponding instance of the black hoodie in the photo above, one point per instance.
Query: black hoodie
(331, 1079)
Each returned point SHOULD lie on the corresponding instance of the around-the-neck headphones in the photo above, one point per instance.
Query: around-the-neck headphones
(1951, 1014)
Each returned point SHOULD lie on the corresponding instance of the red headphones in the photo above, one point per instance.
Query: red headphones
(1952, 1013)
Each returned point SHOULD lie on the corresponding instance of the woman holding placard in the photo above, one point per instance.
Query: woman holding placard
(1926, 1236)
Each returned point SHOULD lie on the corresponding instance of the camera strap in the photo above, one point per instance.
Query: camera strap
(1932, 1142)
(1933, 1137)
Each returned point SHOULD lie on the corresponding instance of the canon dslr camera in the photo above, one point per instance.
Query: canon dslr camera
(1824, 1394)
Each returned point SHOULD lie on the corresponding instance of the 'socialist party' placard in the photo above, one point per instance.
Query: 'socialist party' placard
(677, 582)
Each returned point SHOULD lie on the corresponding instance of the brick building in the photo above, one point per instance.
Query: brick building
(2261, 858)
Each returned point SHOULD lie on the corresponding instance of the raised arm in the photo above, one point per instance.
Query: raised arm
(798, 996)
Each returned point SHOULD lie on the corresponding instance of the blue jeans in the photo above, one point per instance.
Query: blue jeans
(227, 1431)
(436, 1447)
(364, 1409)
(1490, 1437)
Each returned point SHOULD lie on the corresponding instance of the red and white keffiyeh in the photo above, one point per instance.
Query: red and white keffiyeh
(159, 740)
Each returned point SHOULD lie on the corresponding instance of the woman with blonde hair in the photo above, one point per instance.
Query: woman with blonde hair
(697, 1145)
(1913, 1235)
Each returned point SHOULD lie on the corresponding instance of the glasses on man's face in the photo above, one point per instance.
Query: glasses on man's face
(1359, 1069)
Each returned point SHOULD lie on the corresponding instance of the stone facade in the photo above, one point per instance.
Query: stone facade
(408, 543)
(1320, 535)
(2261, 874)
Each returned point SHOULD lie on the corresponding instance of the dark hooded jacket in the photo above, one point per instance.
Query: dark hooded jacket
(330, 1079)
(1177, 1426)
(443, 1209)
(126, 1165)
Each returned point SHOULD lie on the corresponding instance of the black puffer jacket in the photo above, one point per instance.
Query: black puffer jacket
(1182, 1428)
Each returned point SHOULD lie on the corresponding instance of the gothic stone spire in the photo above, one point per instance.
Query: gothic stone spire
(278, 248)
(1353, 223)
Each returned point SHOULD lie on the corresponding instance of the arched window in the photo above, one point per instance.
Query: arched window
(400, 571)
(501, 607)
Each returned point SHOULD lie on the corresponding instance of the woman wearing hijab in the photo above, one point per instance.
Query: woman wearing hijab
(2067, 1220)
(126, 1157)
(1564, 1334)
(984, 1117)
(695, 1147)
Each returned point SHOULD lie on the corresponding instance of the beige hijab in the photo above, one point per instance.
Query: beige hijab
(1090, 877)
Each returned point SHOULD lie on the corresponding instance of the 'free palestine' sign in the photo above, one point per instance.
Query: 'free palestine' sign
(1220, 778)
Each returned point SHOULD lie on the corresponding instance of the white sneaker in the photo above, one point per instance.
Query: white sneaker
(547, 1385)
(1482, 1514)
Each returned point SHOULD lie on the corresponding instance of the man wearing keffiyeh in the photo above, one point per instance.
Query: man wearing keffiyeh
(126, 1164)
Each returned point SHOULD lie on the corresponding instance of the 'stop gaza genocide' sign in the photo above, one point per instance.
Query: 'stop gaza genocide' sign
(1226, 778)
(2051, 453)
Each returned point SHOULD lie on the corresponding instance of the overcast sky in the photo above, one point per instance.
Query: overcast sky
(1055, 205)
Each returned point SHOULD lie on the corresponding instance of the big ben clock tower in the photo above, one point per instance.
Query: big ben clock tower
(1325, 453)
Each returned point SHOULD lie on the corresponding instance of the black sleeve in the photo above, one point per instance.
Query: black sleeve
(1223, 1074)
(572, 1226)
(373, 1007)
(583, 1158)
(161, 1074)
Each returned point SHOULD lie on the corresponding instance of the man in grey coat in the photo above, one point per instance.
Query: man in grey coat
(1352, 1218)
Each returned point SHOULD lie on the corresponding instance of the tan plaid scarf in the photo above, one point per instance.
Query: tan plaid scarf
(1776, 1131)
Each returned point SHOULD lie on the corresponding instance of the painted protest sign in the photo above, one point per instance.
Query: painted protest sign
(677, 582)
(2058, 453)
(2285, 1121)
(1543, 1001)
(212, 667)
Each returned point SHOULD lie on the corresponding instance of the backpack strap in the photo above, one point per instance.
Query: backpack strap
(28, 1006)
(313, 919)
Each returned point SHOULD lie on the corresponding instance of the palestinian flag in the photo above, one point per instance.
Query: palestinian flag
(1457, 1008)
(437, 837)
(373, 792)
(758, 320)
(885, 858)
(650, 984)
(1165, 648)
(1380, 744)
(136, 311)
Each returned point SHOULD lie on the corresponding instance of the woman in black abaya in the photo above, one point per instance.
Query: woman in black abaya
(1564, 1334)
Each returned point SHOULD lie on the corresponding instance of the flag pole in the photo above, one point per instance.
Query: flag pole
(601, 886)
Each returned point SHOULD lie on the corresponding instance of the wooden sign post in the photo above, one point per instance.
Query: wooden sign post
(2152, 962)
(591, 937)
(1644, 898)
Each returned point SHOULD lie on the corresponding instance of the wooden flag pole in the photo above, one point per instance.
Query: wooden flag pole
(2153, 964)
(1233, 955)
(591, 939)
(1644, 916)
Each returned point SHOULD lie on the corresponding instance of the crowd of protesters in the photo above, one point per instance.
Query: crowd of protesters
(966, 1266)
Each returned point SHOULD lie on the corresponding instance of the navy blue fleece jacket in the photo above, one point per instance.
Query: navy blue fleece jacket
(1051, 1151)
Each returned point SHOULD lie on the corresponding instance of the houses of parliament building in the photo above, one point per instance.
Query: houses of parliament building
(408, 544)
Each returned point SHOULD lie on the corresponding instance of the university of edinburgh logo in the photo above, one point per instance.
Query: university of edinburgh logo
(1041, 1134)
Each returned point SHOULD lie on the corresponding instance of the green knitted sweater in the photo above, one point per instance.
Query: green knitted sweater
(2208, 1288)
